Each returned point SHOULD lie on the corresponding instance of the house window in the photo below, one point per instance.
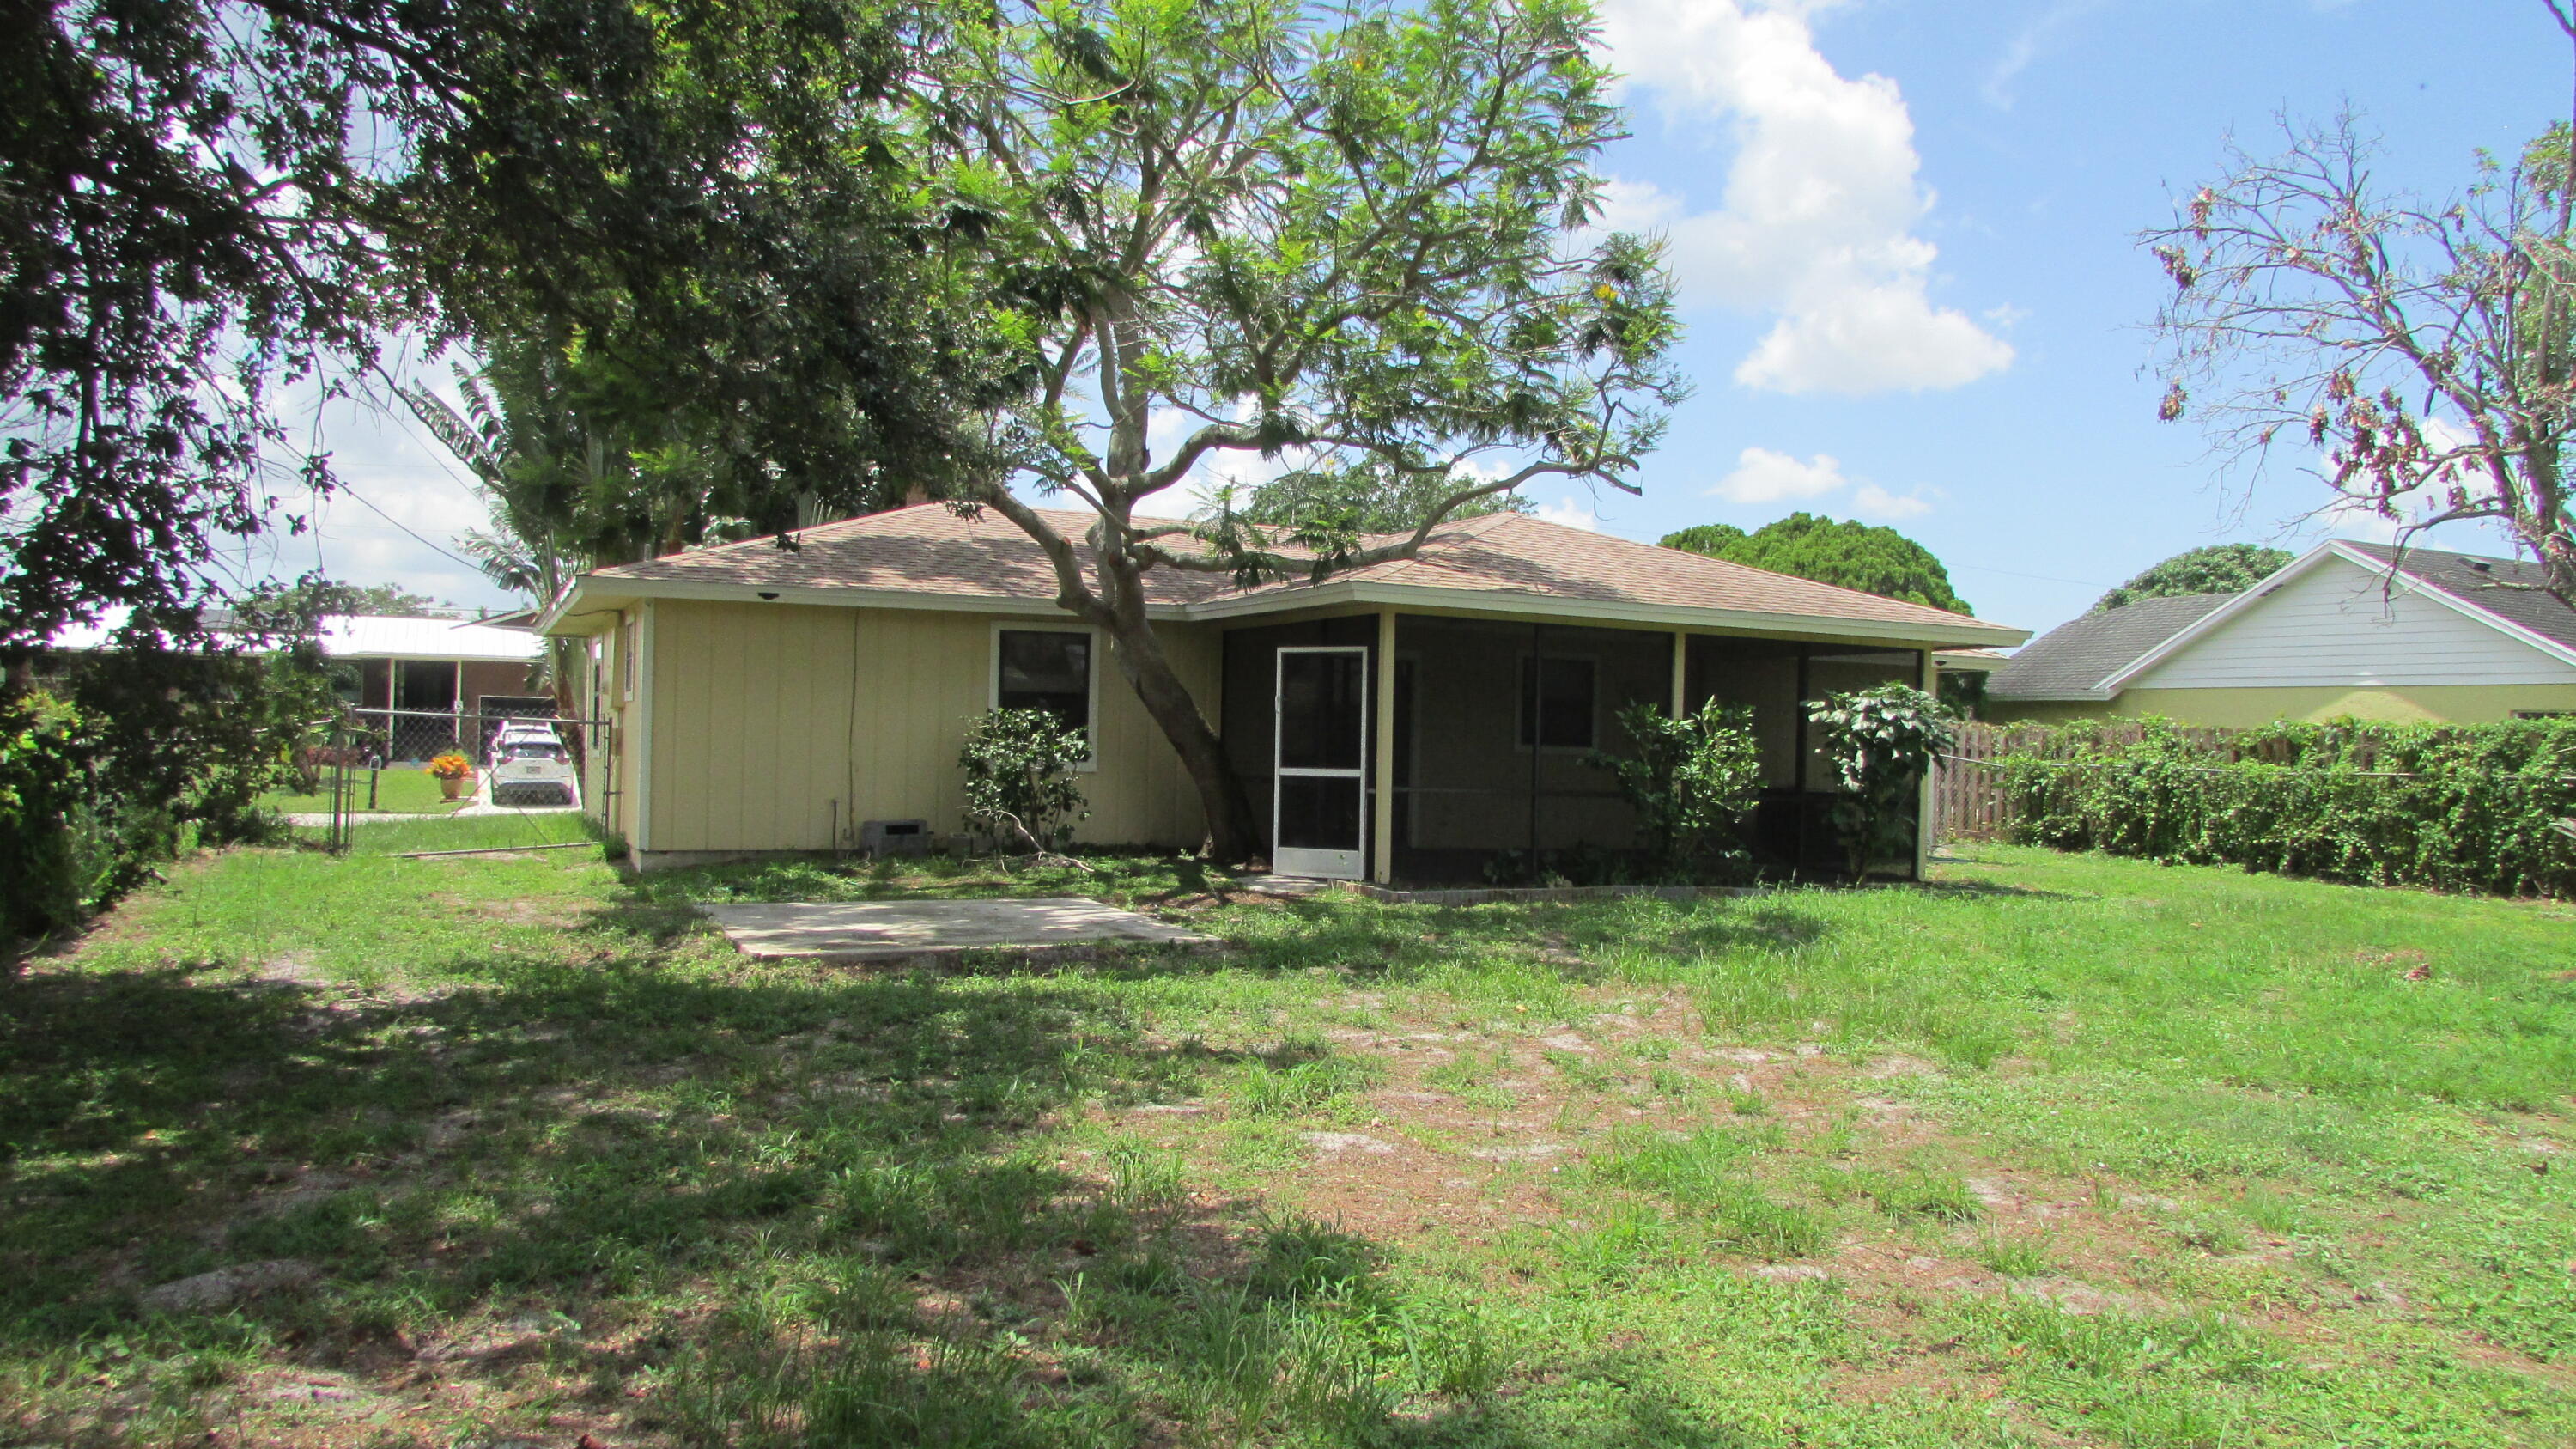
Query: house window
(1045, 669)
(1556, 703)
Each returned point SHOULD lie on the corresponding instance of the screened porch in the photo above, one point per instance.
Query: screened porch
(1483, 755)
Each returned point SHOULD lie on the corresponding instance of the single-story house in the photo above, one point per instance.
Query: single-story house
(1405, 721)
(2346, 629)
(457, 666)
(401, 672)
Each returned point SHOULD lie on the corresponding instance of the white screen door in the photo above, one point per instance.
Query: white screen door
(1319, 754)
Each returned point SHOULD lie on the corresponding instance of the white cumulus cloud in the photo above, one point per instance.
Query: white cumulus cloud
(1763, 476)
(1820, 204)
(1570, 511)
(1872, 501)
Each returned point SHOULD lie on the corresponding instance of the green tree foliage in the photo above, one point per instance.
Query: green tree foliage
(1353, 501)
(1019, 766)
(319, 597)
(1843, 552)
(2453, 807)
(1881, 742)
(202, 203)
(1692, 781)
(1341, 236)
(2221, 568)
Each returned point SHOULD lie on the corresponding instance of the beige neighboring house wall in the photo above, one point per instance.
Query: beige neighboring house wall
(776, 725)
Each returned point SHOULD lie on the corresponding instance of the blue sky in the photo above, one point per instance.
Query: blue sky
(1904, 233)
(2043, 135)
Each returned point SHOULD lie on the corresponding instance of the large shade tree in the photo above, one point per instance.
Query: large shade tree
(2421, 351)
(1330, 240)
(204, 204)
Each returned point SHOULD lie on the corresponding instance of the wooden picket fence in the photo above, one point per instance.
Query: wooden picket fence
(1968, 798)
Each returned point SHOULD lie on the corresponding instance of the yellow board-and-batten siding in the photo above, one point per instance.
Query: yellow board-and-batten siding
(2332, 642)
(774, 724)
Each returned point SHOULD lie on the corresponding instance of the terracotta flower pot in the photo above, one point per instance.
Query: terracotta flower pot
(452, 787)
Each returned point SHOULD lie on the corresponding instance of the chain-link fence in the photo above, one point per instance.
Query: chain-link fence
(508, 754)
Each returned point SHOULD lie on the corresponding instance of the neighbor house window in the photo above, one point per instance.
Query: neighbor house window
(1556, 703)
(1045, 669)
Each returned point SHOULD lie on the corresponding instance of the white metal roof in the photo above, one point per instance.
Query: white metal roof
(369, 636)
(365, 636)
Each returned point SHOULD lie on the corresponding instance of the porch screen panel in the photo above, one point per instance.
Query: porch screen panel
(1320, 703)
(1495, 724)
(1771, 677)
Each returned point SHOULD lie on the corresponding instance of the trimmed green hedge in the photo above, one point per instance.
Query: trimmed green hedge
(2456, 807)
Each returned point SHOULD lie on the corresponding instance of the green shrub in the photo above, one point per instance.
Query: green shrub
(1691, 781)
(1881, 742)
(137, 750)
(2456, 807)
(1019, 766)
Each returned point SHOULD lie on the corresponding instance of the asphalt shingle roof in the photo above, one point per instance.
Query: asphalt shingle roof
(2511, 590)
(2081, 653)
(927, 549)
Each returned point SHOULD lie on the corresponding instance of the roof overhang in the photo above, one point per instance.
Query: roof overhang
(1354, 593)
(593, 601)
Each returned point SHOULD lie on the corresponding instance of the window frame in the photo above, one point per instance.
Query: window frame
(1521, 680)
(629, 643)
(1091, 670)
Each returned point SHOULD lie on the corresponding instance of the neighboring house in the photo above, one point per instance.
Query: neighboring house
(455, 667)
(2346, 629)
(448, 665)
(761, 698)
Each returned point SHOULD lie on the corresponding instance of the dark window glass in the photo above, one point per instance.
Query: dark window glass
(1049, 671)
(1556, 703)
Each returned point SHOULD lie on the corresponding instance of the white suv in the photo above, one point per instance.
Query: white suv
(530, 759)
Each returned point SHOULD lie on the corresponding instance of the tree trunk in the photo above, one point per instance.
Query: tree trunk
(1234, 835)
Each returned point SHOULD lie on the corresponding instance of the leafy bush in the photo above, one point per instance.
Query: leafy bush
(135, 752)
(2457, 807)
(1881, 742)
(1692, 780)
(1019, 766)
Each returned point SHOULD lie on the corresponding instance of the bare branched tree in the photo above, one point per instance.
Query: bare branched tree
(2425, 351)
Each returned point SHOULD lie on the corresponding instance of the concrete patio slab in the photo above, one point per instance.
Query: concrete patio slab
(853, 932)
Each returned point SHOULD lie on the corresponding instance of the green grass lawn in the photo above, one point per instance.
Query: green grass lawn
(400, 790)
(2060, 1150)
